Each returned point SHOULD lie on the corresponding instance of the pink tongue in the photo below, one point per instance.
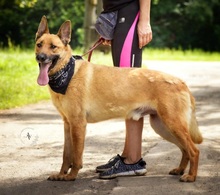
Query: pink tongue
(43, 78)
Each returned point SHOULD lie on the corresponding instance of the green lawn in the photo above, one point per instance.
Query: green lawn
(19, 71)
(172, 54)
(18, 75)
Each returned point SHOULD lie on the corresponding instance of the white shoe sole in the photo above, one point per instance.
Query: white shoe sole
(124, 174)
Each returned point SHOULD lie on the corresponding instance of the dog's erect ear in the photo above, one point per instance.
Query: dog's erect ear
(65, 32)
(43, 28)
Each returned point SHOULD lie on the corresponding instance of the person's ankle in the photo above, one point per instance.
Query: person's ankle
(131, 161)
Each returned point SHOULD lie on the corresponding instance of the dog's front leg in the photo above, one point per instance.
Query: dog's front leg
(73, 150)
(77, 132)
(67, 154)
(68, 149)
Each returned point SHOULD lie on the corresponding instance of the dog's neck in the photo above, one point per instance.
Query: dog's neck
(60, 80)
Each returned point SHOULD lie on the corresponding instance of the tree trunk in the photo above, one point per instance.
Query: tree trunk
(89, 20)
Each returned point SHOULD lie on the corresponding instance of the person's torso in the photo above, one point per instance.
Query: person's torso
(113, 5)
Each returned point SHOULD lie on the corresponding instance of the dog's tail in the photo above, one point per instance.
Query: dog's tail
(193, 128)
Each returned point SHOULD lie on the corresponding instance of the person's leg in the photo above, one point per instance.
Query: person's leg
(132, 147)
(132, 164)
(133, 141)
(126, 53)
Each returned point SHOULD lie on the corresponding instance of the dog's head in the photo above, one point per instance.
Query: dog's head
(51, 50)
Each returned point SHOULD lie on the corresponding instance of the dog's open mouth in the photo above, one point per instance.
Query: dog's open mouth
(44, 68)
(43, 78)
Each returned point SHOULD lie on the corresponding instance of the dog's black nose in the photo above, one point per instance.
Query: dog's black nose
(41, 57)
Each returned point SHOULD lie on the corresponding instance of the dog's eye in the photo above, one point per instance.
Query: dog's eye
(39, 45)
(53, 46)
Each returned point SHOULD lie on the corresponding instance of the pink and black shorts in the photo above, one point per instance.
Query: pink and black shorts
(125, 47)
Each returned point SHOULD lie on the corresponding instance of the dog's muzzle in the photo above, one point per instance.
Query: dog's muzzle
(43, 58)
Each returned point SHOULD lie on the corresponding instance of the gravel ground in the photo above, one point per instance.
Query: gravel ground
(31, 144)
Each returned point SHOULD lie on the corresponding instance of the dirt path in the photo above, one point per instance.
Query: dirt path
(31, 143)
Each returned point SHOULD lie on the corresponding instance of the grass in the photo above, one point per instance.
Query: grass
(19, 71)
(18, 75)
(163, 54)
(188, 55)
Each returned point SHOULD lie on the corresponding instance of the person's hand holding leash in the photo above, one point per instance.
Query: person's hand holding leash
(107, 42)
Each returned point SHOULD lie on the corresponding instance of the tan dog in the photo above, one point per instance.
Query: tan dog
(97, 93)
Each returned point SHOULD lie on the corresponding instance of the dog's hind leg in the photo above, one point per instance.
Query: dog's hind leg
(176, 131)
(162, 130)
(183, 164)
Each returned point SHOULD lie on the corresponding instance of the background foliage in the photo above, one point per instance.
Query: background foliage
(184, 24)
(19, 19)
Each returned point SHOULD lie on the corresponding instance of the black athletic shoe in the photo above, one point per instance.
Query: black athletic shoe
(109, 164)
(122, 169)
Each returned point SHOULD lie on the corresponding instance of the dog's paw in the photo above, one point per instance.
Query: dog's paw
(187, 178)
(176, 171)
(60, 177)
